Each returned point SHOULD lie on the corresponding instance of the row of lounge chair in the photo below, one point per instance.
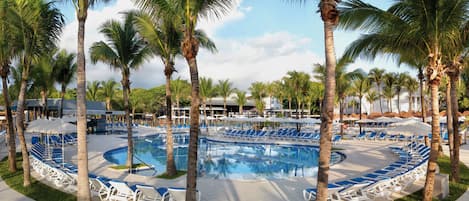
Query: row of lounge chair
(373, 135)
(64, 175)
(280, 134)
(57, 140)
(381, 183)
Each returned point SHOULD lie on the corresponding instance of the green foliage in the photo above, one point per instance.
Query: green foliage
(123, 167)
(178, 174)
(455, 189)
(37, 191)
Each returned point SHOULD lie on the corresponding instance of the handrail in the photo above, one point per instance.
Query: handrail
(143, 162)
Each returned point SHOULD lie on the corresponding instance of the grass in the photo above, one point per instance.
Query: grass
(178, 174)
(455, 189)
(37, 191)
(124, 167)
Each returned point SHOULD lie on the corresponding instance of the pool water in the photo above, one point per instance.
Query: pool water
(230, 160)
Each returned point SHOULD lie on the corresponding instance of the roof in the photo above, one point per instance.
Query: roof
(54, 103)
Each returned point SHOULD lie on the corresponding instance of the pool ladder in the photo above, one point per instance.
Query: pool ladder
(150, 166)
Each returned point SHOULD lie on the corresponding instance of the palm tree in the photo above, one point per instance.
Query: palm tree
(81, 10)
(300, 83)
(64, 72)
(164, 39)
(188, 13)
(330, 17)
(43, 75)
(361, 85)
(289, 93)
(124, 51)
(8, 49)
(41, 24)
(342, 78)
(371, 97)
(180, 89)
(411, 85)
(109, 87)
(376, 75)
(438, 25)
(456, 56)
(389, 92)
(241, 100)
(400, 82)
(207, 89)
(225, 88)
(258, 93)
(92, 89)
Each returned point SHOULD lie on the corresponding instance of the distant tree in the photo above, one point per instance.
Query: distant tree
(241, 100)
(258, 93)
(225, 88)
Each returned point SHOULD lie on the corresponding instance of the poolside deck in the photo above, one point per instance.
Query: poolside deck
(362, 156)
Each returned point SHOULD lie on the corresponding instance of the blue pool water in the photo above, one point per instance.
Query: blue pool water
(220, 160)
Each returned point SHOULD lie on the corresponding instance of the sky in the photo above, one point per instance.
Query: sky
(258, 40)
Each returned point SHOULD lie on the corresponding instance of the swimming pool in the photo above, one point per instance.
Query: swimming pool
(228, 160)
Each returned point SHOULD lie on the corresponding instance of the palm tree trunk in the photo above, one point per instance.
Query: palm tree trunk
(329, 16)
(224, 107)
(398, 102)
(449, 121)
(422, 98)
(454, 107)
(44, 106)
(170, 164)
(83, 190)
(130, 144)
(289, 107)
(431, 168)
(410, 103)
(380, 99)
(11, 139)
(205, 113)
(341, 116)
(240, 109)
(191, 183)
(20, 126)
(62, 97)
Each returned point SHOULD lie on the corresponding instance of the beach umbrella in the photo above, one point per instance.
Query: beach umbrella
(410, 127)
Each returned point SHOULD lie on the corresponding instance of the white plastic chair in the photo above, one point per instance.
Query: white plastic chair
(179, 194)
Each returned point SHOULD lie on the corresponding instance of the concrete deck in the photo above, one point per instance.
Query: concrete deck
(362, 156)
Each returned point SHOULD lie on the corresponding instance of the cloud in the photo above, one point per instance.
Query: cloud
(266, 57)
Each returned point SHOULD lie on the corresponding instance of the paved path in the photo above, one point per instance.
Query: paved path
(6, 193)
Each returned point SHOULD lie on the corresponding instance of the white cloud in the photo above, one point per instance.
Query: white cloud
(262, 58)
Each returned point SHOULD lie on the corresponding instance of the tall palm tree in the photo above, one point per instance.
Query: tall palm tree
(8, 49)
(92, 89)
(299, 83)
(390, 80)
(164, 39)
(342, 80)
(361, 85)
(81, 10)
(180, 89)
(426, 28)
(411, 85)
(43, 78)
(188, 13)
(400, 82)
(456, 57)
(258, 93)
(41, 25)
(124, 51)
(330, 17)
(207, 91)
(289, 93)
(109, 88)
(64, 71)
(241, 100)
(376, 75)
(225, 88)
(371, 97)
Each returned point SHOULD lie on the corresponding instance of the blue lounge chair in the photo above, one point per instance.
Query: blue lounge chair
(332, 190)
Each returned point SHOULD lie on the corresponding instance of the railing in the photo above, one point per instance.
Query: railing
(149, 166)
